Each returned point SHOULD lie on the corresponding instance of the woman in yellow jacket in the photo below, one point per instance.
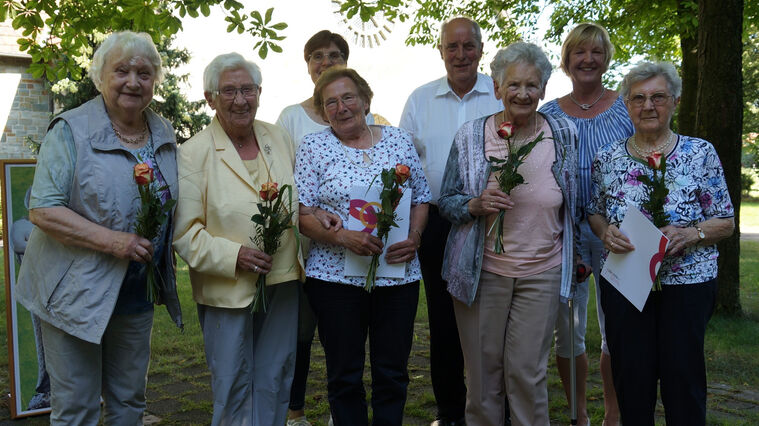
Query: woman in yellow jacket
(221, 169)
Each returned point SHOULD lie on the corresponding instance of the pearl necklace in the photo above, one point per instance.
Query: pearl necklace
(586, 107)
(368, 160)
(134, 140)
(643, 153)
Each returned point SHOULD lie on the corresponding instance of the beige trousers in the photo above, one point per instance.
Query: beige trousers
(506, 337)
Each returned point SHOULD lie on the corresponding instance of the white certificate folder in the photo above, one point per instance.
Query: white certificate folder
(633, 273)
(364, 203)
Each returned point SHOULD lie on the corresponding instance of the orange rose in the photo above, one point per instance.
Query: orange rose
(402, 173)
(143, 174)
(505, 130)
(269, 191)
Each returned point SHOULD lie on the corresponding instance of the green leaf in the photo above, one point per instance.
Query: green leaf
(280, 26)
(255, 15)
(275, 48)
(205, 9)
(267, 18)
(263, 51)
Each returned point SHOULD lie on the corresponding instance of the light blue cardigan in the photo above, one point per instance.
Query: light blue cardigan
(466, 175)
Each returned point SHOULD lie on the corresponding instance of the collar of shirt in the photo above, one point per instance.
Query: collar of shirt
(480, 86)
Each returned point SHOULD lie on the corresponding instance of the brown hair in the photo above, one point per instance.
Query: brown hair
(583, 33)
(335, 73)
(323, 39)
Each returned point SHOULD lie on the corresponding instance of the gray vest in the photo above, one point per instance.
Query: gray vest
(75, 289)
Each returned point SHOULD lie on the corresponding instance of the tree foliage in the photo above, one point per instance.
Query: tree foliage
(55, 32)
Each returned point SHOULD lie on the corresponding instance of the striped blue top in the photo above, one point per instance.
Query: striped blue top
(609, 126)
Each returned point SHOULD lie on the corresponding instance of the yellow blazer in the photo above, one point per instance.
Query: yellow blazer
(217, 198)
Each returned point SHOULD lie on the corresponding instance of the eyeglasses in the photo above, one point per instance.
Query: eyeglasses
(348, 100)
(657, 99)
(230, 92)
(334, 56)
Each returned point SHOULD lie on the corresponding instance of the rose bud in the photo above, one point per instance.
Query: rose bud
(654, 160)
(402, 173)
(143, 174)
(505, 130)
(269, 191)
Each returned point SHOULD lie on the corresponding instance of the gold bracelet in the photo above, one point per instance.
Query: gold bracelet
(420, 236)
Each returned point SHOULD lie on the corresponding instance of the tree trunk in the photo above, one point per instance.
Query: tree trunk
(686, 117)
(719, 118)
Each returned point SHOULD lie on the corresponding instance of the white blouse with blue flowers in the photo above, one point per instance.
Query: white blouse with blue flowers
(697, 192)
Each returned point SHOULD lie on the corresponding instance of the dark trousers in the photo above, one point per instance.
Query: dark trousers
(665, 344)
(306, 329)
(346, 314)
(446, 359)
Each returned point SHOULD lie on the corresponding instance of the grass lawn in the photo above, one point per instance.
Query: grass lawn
(179, 383)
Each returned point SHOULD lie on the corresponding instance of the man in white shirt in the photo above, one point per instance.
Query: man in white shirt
(433, 113)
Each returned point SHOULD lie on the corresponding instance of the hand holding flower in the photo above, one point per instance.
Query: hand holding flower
(252, 260)
(489, 202)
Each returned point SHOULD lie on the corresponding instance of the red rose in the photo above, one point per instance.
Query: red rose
(402, 173)
(269, 191)
(505, 130)
(143, 174)
(654, 160)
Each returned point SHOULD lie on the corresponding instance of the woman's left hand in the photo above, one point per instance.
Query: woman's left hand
(402, 251)
(679, 238)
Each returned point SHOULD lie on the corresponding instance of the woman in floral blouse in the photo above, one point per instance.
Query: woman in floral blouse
(327, 166)
(664, 342)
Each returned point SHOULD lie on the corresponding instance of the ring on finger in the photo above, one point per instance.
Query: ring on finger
(255, 268)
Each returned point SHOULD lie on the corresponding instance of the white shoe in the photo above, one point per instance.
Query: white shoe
(300, 421)
(330, 421)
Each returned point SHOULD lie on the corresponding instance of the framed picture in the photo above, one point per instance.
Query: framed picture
(30, 385)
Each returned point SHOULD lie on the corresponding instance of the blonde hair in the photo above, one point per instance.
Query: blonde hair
(584, 33)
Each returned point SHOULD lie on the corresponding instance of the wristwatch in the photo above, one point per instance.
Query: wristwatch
(701, 235)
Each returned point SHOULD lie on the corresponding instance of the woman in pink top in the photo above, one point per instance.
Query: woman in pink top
(506, 304)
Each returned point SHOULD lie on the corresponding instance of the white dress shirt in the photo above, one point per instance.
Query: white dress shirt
(433, 113)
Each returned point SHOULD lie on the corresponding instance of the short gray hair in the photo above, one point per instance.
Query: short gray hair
(526, 53)
(475, 29)
(127, 44)
(646, 70)
(226, 62)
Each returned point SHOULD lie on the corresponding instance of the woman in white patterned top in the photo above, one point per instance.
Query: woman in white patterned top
(328, 165)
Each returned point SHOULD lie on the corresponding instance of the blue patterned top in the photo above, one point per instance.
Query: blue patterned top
(593, 133)
(697, 192)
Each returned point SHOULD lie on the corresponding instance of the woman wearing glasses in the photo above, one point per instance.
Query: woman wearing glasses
(221, 169)
(328, 165)
(322, 51)
(665, 342)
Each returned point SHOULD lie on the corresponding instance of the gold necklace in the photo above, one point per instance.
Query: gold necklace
(367, 160)
(133, 140)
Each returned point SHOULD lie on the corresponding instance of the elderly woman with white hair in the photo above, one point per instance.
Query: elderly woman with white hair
(221, 169)
(84, 271)
(665, 341)
(506, 303)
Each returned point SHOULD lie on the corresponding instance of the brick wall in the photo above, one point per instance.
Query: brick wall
(30, 110)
